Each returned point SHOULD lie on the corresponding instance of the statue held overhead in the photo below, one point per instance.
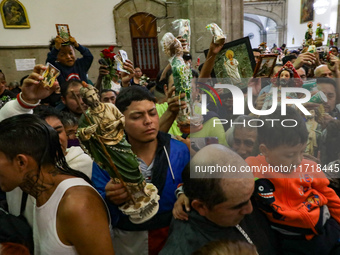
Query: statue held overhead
(182, 75)
(101, 131)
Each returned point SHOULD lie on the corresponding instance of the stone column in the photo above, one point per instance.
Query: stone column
(232, 19)
(280, 37)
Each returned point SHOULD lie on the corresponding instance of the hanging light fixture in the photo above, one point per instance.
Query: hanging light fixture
(320, 6)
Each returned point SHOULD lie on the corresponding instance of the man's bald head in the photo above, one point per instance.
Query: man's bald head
(223, 198)
(217, 154)
(323, 71)
(200, 183)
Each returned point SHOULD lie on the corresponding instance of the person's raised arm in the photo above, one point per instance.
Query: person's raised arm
(128, 65)
(102, 72)
(53, 54)
(306, 58)
(86, 60)
(32, 92)
(210, 60)
(166, 69)
(169, 116)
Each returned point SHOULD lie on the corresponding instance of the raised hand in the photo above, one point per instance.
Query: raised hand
(74, 42)
(33, 89)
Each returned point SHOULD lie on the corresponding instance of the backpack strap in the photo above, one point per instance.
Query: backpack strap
(23, 202)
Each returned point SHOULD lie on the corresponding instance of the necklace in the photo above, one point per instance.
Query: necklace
(245, 235)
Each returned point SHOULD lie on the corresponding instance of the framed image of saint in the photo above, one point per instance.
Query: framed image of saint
(235, 63)
(264, 68)
(307, 11)
(13, 14)
(63, 31)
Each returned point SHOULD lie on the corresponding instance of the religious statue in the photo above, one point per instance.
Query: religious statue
(182, 75)
(275, 49)
(320, 36)
(263, 47)
(184, 31)
(285, 77)
(217, 33)
(309, 33)
(101, 131)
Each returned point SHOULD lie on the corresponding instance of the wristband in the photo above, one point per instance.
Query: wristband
(25, 104)
(179, 191)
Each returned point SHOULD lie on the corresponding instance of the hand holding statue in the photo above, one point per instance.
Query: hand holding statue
(101, 131)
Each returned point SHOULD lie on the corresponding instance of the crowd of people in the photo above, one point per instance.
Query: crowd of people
(74, 204)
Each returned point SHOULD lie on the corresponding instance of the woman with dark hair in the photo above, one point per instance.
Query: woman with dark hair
(69, 215)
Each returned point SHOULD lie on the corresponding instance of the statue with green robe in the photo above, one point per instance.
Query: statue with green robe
(101, 132)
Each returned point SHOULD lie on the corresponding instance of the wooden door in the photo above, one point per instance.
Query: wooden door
(143, 28)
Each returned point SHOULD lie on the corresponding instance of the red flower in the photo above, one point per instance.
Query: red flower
(109, 56)
(106, 53)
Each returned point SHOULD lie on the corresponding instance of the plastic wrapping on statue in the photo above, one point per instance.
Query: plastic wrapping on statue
(171, 46)
(101, 132)
(216, 32)
(182, 76)
(183, 28)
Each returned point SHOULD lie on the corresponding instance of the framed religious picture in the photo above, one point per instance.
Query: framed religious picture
(50, 75)
(265, 66)
(332, 39)
(63, 31)
(235, 63)
(13, 14)
(307, 11)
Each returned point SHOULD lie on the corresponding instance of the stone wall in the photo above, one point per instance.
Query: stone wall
(9, 54)
(200, 13)
(124, 10)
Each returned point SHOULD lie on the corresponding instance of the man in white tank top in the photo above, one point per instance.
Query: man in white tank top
(31, 157)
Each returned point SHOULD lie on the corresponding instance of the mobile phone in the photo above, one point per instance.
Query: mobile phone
(103, 62)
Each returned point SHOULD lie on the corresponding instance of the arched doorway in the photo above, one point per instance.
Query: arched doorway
(272, 14)
(261, 29)
(143, 29)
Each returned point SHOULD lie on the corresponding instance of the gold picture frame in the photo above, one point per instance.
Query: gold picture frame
(306, 11)
(63, 31)
(13, 14)
(265, 66)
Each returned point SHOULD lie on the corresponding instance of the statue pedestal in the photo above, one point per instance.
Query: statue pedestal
(146, 205)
